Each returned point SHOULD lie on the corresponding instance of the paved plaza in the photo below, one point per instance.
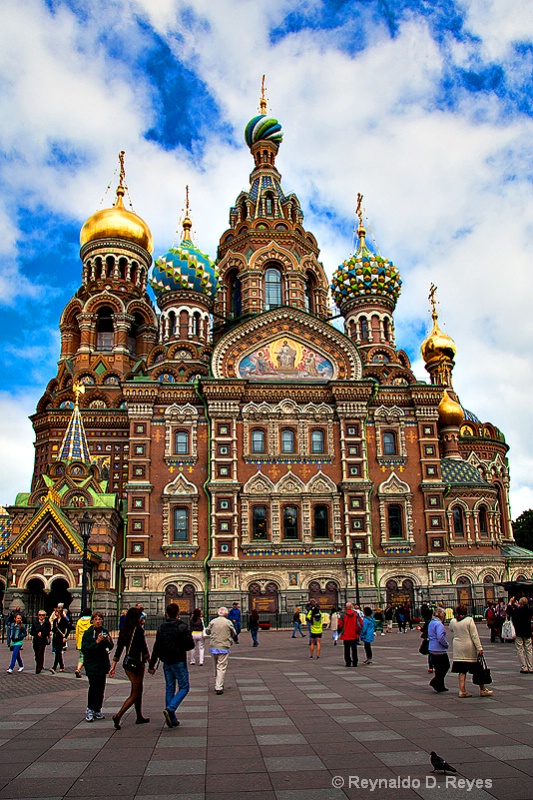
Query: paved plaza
(286, 728)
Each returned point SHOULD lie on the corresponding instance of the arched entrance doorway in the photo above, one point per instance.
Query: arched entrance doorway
(464, 591)
(186, 599)
(59, 593)
(36, 599)
(264, 601)
(488, 589)
(399, 594)
(326, 598)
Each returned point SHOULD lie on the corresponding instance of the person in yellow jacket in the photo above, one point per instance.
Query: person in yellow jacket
(82, 625)
(314, 621)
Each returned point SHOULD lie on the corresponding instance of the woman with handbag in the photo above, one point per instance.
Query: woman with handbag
(197, 629)
(132, 640)
(60, 632)
(437, 649)
(467, 650)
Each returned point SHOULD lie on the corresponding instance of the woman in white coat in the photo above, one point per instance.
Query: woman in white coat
(466, 649)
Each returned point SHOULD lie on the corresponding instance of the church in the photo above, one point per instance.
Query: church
(246, 429)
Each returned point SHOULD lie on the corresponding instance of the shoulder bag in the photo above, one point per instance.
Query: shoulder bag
(424, 647)
(481, 675)
(130, 663)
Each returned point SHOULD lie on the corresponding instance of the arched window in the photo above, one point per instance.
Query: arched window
(258, 441)
(105, 332)
(133, 334)
(172, 323)
(269, 204)
(244, 210)
(287, 441)
(181, 524)
(483, 521)
(317, 441)
(458, 521)
(310, 285)
(259, 522)
(290, 522)
(386, 329)
(394, 513)
(364, 329)
(181, 443)
(389, 444)
(196, 324)
(272, 288)
(235, 295)
(321, 522)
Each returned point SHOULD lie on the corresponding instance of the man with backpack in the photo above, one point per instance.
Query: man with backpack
(172, 642)
(350, 627)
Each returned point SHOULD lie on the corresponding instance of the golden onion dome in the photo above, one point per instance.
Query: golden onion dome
(437, 344)
(450, 412)
(117, 223)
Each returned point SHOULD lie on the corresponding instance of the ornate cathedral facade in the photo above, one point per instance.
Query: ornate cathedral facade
(228, 441)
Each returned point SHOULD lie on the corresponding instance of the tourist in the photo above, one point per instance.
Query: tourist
(95, 646)
(466, 649)
(438, 650)
(350, 626)
(222, 634)
(60, 632)
(367, 633)
(400, 619)
(378, 616)
(521, 615)
(388, 614)
(172, 642)
(82, 625)
(40, 633)
(16, 633)
(334, 624)
(314, 621)
(234, 616)
(253, 626)
(197, 627)
(297, 624)
(132, 640)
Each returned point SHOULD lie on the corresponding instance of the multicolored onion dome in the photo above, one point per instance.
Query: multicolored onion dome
(184, 267)
(263, 128)
(365, 274)
(117, 223)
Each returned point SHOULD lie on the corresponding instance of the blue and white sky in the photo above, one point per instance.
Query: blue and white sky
(425, 108)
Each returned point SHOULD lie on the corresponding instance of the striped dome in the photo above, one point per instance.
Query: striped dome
(263, 128)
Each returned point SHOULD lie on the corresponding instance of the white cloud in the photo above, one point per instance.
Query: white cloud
(16, 443)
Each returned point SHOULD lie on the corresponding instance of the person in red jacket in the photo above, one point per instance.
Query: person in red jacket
(350, 625)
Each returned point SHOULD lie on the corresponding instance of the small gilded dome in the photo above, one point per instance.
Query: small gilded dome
(184, 267)
(117, 223)
(438, 344)
(450, 412)
(263, 128)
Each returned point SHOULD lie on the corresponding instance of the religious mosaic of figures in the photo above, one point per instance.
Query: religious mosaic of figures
(286, 358)
(49, 545)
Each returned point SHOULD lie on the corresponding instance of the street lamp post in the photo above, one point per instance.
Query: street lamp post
(357, 547)
(86, 525)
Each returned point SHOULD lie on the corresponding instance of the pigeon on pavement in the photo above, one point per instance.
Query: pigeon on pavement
(439, 764)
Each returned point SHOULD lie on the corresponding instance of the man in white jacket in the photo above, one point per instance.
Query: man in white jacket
(222, 634)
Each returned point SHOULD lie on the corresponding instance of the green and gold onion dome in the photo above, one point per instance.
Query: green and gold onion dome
(365, 274)
(117, 223)
(450, 411)
(263, 128)
(184, 267)
(438, 344)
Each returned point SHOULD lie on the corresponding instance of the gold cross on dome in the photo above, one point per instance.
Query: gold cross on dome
(78, 389)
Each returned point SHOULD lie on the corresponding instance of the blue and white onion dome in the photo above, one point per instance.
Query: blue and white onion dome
(263, 128)
(184, 267)
(365, 274)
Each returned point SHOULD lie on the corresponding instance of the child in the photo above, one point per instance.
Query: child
(367, 633)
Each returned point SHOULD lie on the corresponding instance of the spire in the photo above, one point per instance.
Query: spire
(187, 224)
(438, 349)
(74, 446)
(262, 99)
(121, 188)
(361, 231)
